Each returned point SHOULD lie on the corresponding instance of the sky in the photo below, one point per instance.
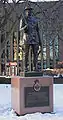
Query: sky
(7, 113)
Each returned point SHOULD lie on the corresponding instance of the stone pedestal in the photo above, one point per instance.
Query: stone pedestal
(32, 94)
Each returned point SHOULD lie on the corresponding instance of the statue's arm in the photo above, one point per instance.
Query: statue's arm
(22, 24)
(37, 28)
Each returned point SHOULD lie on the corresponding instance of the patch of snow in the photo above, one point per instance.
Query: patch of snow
(7, 113)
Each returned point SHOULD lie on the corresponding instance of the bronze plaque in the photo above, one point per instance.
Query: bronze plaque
(38, 97)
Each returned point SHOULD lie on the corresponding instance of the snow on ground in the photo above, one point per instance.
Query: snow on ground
(7, 113)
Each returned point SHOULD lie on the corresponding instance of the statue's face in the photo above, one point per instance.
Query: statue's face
(28, 12)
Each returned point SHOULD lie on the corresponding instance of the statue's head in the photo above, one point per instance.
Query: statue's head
(28, 10)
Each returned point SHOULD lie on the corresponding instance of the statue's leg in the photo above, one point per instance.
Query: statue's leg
(26, 56)
(35, 53)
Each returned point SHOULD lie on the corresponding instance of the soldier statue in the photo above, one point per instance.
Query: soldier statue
(32, 37)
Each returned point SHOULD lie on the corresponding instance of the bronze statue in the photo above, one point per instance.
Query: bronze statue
(31, 31)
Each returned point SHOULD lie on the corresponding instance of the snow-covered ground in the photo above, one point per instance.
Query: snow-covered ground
(6, 112)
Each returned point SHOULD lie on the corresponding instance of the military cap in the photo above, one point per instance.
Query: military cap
(28, 8)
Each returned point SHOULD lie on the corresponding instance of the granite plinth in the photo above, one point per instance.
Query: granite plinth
(32, 94)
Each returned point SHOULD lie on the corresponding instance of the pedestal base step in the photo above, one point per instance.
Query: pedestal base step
(31, 74)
